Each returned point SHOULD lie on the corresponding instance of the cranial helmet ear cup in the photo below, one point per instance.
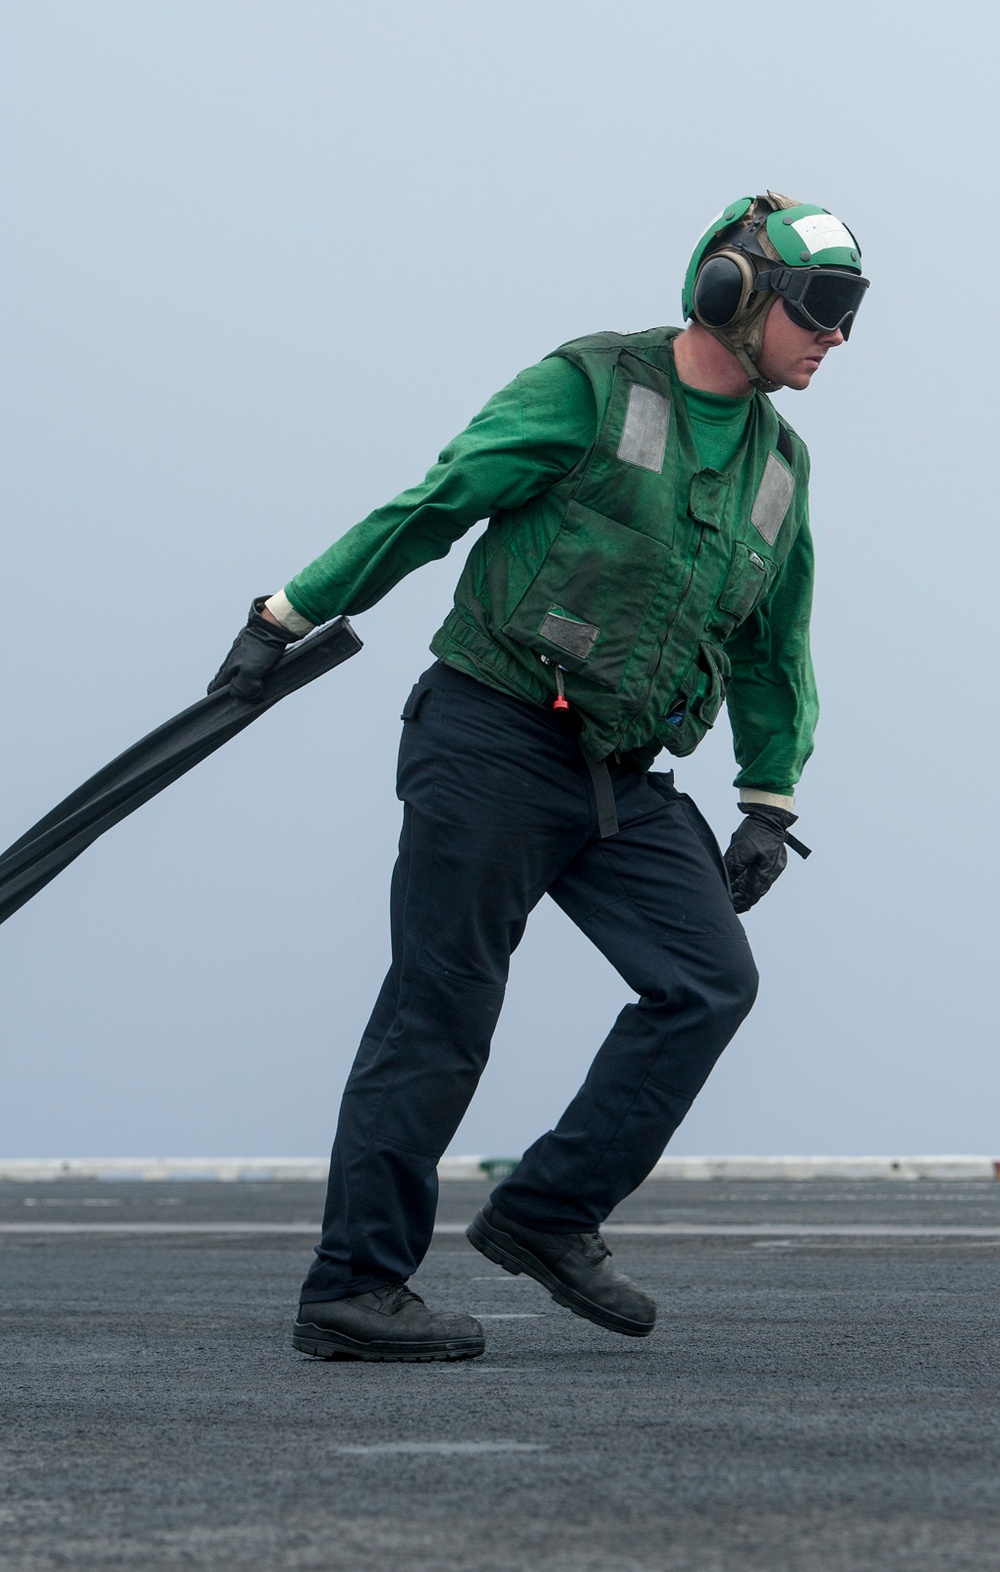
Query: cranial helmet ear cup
(721, 289)
(718, 291)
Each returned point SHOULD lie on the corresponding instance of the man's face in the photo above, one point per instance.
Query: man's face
(791, 355)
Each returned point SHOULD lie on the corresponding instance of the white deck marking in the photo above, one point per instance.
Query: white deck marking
(160, 1228)
(805, 1230)
(437, 1448)
(633, 1230)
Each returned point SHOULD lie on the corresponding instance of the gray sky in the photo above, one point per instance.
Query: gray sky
(259, 262)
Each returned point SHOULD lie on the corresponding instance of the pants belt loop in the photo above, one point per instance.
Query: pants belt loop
(604, 791)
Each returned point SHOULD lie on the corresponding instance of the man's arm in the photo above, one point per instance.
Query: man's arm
(773, 709)
(772, 700)
(527, 437)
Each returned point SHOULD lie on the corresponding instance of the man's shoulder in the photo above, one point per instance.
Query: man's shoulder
(611, 344)
(788, 437)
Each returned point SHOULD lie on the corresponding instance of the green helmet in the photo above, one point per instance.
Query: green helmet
(763, 248)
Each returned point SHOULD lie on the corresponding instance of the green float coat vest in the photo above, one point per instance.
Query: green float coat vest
(632, 571)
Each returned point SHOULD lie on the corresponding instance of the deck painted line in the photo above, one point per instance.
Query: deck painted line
(780, 1230)
(437, 1448)
(805, 1230)
(633, 1230)
(148, 1230)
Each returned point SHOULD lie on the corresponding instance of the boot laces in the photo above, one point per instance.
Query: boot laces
(395, 1296)
(595, 1247)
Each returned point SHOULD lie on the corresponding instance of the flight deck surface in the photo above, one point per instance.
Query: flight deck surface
(820, 1393)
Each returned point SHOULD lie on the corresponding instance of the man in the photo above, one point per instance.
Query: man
(648, 549)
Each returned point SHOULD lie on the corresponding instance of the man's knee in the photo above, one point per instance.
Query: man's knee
(744, 980)
(719, 979)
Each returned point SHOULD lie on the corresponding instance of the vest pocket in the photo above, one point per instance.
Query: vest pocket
(587, 602)
(701, 696)
(747, 583)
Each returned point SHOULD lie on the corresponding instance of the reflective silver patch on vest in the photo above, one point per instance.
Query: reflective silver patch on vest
(644, 440)
(774, 494)
(577, 638)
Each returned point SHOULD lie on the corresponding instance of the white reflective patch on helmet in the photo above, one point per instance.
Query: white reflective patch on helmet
(644, 439)
(822, 232)
(773, 497)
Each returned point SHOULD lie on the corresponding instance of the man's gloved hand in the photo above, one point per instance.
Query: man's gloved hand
(756, 854)
(256, 650)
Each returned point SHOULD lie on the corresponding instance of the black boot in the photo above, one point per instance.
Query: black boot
(575, 1268)
(387, 1323)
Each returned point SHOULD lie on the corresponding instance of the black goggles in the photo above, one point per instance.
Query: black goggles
(822, 298)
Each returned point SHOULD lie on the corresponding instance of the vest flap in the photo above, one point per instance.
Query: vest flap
(589, 598)
(709, 498)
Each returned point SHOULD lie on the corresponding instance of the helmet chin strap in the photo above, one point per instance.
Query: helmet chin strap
(756, 379)
(747, 342)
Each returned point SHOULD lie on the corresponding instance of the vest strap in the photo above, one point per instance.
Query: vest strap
(604, 792)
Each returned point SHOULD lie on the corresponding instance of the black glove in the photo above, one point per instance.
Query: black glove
(256, 650)
(756, 854)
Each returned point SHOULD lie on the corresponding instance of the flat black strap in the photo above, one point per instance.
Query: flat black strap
(604, 792)
(784, 443)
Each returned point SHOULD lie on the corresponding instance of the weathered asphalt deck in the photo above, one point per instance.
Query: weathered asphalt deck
(811, 1401)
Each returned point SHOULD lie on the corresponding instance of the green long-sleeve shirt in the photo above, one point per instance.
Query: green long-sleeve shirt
(528, 436)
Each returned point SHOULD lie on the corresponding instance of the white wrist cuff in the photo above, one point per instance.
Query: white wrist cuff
(283, 611)
(772, 798)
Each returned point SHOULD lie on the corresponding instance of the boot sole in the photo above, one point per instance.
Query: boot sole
(504, 1251)
(322, 1343)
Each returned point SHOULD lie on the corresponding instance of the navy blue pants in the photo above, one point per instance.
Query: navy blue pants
(499, 809)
